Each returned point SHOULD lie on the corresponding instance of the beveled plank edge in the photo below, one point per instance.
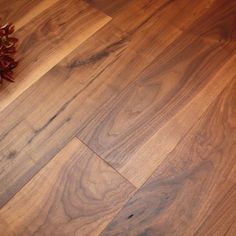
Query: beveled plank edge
(107, 163)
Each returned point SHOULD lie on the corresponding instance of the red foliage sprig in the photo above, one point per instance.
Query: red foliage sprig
(7, 52)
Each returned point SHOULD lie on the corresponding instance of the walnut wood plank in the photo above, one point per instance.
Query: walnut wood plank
(122, 125)
(75, 194)
(71, 91)
(220, 18)
(67, 85)
(103, 44)
(193, 191)
(47, 39)
(143, 10)
(72, 74)
(145, 92)
(138, 168)
(131, 40)
(21, 12)
(109, 7)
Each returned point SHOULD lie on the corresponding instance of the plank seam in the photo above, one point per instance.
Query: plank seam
(107, 163)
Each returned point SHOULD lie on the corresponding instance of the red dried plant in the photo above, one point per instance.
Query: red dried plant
(7, 52)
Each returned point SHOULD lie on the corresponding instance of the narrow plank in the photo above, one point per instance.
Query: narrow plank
(220, 19)
(122, 125)
(137, 12)
(111, 8)
(21, 12)
(47, 39)
(78, 195)
(14, 137)
(193, 191)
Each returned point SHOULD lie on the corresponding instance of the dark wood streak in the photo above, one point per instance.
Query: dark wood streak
(220, 19)
(65, 105)
(104, 53)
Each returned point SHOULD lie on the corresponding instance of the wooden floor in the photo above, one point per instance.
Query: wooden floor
(122, 119)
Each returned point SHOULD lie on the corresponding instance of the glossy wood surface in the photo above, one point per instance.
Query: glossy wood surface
(121, 120)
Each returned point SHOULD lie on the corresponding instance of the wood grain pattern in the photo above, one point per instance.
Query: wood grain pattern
(122, 125)
(75, 194)
(138, 168)
(81, 80)
(21, 12)
(218, 23)
(135, 13)
(66, 83)
(109, 7)
(193, 191)
(50, 36)
(151, 94)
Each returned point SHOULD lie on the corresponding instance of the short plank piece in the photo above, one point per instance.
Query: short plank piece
(75, 194)
(193, 191)
(47, 39)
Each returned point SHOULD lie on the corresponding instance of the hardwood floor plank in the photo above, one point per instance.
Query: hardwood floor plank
(103, 44)
(169, 135)
(66, 85)
(47, 39)
(71, 92)
(75, 194)
(72, 74)
(122, 125)
(220, 18)
(193, 191)
(130, 39)
(20, 12)
(144, 91)
(109, 7)
(14, 137)
(137, 12)
(77, 87)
